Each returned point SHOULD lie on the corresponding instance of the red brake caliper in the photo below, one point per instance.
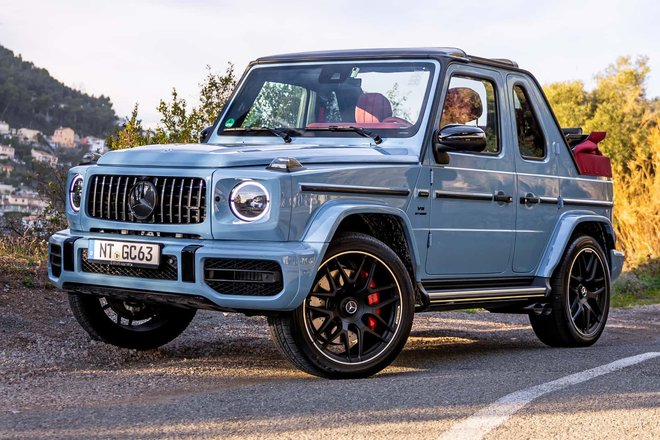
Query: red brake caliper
(372, 299)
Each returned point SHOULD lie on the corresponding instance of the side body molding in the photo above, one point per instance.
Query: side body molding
(324, 223)
(562, 234)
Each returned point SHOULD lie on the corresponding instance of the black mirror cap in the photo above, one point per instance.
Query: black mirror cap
(204, 134)
(456, 137)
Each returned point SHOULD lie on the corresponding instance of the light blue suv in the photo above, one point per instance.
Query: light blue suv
(338, 193)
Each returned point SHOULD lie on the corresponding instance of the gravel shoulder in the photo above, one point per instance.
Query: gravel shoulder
(57, 382)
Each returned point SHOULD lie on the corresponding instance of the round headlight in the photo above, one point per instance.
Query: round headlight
(75, 192)
(249, 201)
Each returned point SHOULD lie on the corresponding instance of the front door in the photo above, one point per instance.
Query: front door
(472, 210)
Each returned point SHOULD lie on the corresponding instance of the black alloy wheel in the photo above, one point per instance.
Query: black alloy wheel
(357, 316)
(354, 309)
(587, 292)
(129, 324)
(580, 297)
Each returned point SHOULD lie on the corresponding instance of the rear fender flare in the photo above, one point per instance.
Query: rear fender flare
(561, 237)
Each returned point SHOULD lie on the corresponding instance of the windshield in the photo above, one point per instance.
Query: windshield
(376, 98)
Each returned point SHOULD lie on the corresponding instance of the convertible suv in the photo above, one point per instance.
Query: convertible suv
(340, 192)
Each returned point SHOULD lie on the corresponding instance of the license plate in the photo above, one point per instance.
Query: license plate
(124, 253)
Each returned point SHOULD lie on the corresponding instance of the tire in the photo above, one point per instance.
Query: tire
(580, 297)
(129, 324)
(357, 317)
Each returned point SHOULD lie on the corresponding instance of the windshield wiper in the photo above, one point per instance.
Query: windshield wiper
(361, 131)
(284, 133)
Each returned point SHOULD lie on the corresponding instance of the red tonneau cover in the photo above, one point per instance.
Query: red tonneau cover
(589, 158)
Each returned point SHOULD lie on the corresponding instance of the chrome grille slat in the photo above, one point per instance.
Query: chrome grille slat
(189, 204)
(108, 197)
(117, 198)
(102, 190)
(199, 200)
(153, 216)
(162, 199)
(131, 217)
(96, 184)
(123, 206)
(172, 200)
(181, 197)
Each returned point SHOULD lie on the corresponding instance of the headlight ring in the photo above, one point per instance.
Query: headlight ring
(75, 192)
(249, 201)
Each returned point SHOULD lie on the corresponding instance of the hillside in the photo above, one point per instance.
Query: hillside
(30, 97)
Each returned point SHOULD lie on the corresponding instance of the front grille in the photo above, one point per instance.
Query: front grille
(168, 269)
(179, 200)
(243, 277)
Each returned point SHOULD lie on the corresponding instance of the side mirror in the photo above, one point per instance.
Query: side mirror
(456, 137)
(89, 158)
(204, 134)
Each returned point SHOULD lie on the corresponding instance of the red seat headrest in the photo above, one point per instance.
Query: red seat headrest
(596, 136)
(372, 107)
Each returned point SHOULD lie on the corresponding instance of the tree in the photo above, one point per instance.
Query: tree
(276, 105)
(178, 123)
(214, 94)
(623, 110)
(132, 134)
(30, 97)
(571, 103)
(619, 105)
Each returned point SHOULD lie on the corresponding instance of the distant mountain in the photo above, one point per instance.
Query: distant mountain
(31, 98)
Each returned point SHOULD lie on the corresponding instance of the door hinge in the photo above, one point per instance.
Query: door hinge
(431, 180)
(430, 239)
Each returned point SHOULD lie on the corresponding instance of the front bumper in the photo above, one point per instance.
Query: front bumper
(297, 260)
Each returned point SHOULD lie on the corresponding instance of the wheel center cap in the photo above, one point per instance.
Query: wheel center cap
(583, 291)
(350, 306)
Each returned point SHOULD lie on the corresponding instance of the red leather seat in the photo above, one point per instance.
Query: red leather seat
(372, 108)
(589, 158)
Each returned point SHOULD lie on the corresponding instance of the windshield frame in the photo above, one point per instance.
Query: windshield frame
(412, 141)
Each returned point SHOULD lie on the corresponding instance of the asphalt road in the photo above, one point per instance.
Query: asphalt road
(224, 378)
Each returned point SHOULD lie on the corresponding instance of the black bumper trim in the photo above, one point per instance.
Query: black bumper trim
(68, 257)
(146, 296)
(188, 263)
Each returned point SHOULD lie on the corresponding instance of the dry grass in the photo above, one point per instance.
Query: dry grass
(637, 207)
(22, 257)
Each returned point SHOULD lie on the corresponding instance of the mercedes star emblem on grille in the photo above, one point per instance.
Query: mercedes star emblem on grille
(142, 199)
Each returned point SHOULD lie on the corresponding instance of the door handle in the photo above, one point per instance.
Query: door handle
(500, 197)
(530, 199)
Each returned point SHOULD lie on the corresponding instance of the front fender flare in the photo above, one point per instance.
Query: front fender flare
(559, 240)
(323, 225)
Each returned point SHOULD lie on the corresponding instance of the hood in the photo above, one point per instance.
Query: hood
(220, 156)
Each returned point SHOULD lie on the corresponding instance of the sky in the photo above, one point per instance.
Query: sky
(136, 51)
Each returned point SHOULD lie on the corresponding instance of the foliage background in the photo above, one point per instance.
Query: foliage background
(620, 106)
(178, 122)
(30, 97)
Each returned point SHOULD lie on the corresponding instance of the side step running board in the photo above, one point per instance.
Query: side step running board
(485, 294)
